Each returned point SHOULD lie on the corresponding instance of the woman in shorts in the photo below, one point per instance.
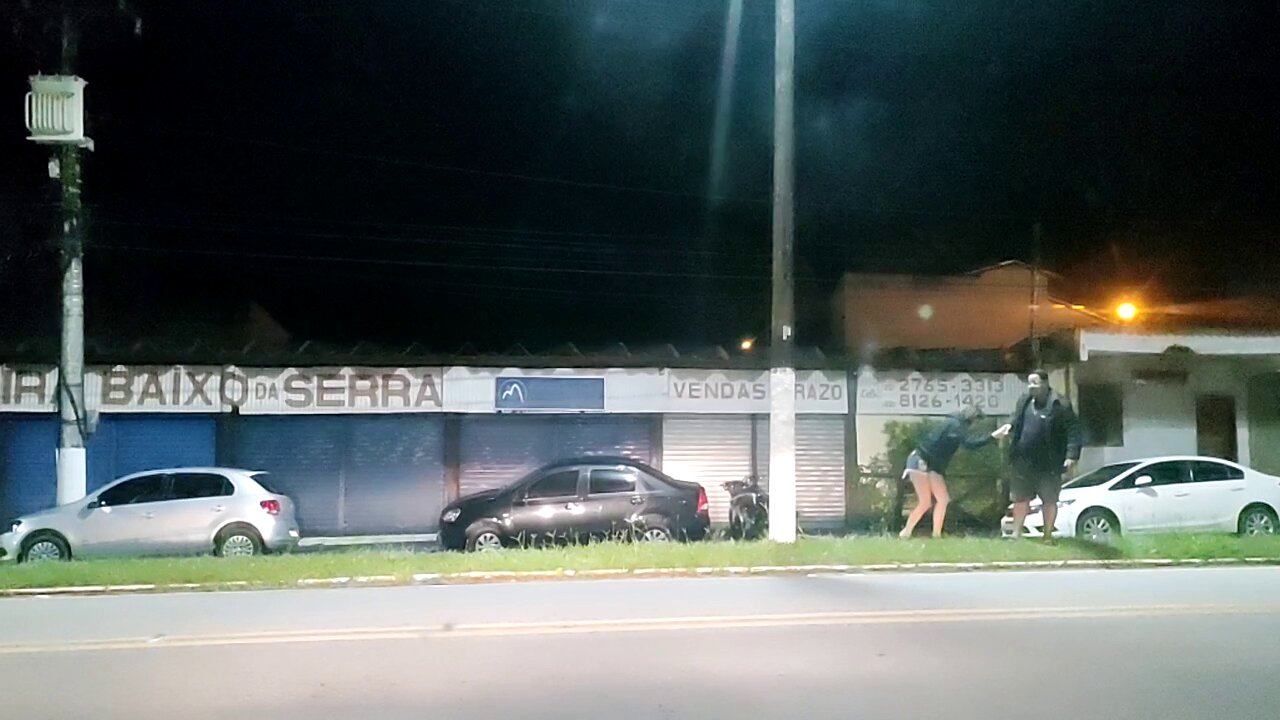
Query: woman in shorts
(927, 465)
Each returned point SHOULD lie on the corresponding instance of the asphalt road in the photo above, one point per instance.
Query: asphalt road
(1166, 644)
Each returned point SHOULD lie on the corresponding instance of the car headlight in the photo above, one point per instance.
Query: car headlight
(450, 515)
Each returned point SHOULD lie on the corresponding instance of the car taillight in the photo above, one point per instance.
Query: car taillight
(702, 501)
(271, 506)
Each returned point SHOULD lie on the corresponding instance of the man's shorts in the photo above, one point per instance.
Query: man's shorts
(1030, 483)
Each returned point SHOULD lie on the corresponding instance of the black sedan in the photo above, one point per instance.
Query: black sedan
(570, 500)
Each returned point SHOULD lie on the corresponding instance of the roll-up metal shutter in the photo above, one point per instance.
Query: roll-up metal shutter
(303, 456)
(820, 469)
(708, 449)
(28, 465)
(497, 450)
(618, 435)
(393, 474)
(126, 444)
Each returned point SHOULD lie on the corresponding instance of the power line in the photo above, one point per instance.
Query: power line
(507, 291)
(530, 245)
(808, 241)
(437, 227)
(424, 263)
(440, 167)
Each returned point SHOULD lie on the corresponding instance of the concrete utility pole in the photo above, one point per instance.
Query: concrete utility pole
(55, 117)
(1035, 295)
(72, 465)
(782, 374)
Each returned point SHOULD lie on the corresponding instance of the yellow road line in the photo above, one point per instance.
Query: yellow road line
(578, 627)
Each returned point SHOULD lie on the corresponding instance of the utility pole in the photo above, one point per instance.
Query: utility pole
(1035, 294)
(72, 466)
(782, 373)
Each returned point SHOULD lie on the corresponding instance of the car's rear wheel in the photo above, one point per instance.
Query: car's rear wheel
(1097, 525)
(655, 531)
(44, 547)
(238, 541)
(483, 538)
(1258, 520)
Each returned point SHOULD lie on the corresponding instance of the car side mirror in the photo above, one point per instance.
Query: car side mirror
(1143, 480)
(94, 504)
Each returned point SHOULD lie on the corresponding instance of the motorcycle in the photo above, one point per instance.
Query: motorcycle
(748, 509)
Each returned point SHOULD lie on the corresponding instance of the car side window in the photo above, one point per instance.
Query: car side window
(192, 486)
(612, 481)
(1165, 473)
(145, 489)
(1205, 471)
(561, 483)
(1170, 473)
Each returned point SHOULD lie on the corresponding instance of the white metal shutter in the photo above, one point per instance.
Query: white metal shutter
(819, 466)
(708, 449)
(820, 469)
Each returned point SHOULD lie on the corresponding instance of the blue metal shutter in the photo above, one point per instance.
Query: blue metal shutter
(28, 465)
(497, 450)
(126, 444)
(626, 435)
(393, 474)
(303, 456)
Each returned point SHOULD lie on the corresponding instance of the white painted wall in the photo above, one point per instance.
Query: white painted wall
(872, 440)
(1159, 417)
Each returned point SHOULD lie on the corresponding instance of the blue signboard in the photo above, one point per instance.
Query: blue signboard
(533, 394)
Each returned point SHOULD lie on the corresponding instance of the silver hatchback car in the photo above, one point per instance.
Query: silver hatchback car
(161, 512)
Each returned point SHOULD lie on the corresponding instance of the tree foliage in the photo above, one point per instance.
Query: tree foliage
(975, 479)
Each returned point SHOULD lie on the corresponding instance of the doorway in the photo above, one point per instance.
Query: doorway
(1216, 427)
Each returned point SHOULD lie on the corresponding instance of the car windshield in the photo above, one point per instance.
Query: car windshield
(1102, 475)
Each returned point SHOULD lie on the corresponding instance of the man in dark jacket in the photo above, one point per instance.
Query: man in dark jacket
(1044, 447)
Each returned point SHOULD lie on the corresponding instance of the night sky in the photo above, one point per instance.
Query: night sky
(537, 171)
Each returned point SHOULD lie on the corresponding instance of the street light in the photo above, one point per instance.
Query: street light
(747, 344)
(1127, 311)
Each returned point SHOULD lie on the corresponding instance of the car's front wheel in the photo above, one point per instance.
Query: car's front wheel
(1097, 525)
(1258, 520)
(44, 547)
(484, 538)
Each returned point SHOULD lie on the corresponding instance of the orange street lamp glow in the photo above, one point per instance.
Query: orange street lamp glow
(1126, 311)
(747, 344)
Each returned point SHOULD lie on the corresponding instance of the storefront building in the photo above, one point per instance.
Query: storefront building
(380, 450)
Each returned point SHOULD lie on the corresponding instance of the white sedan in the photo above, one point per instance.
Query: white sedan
(1165, 494)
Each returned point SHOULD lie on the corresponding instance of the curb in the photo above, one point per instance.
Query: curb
(477, 577)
